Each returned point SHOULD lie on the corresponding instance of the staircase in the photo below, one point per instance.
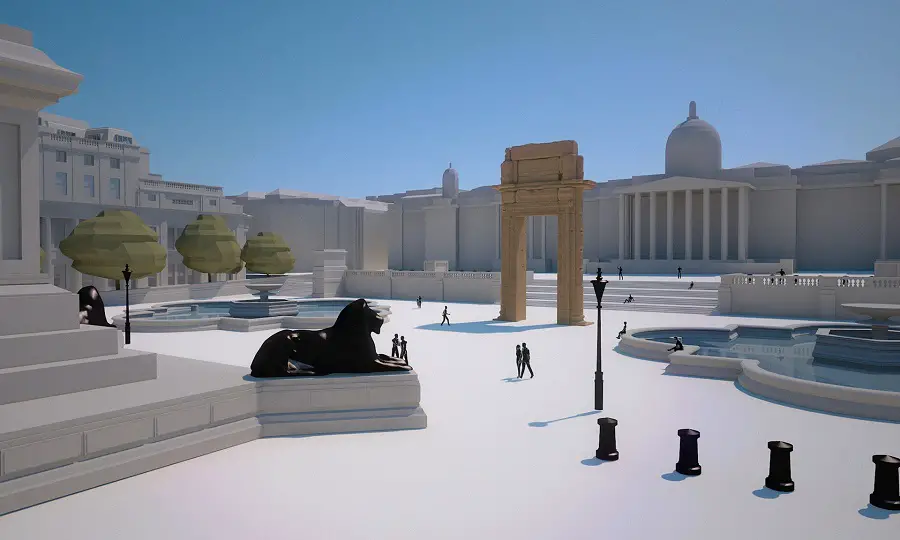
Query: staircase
(655, 296)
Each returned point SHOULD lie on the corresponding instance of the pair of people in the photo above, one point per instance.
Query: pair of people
(523, 360)
(398, 348)
(419, 302)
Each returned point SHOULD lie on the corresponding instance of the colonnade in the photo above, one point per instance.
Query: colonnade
(634, 239)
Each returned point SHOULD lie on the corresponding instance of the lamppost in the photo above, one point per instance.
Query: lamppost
(127, 275)
(599, 287)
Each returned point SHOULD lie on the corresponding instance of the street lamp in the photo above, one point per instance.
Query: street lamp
(127, 274)
(599, 287)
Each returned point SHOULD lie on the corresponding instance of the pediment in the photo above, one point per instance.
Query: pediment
(682, 183)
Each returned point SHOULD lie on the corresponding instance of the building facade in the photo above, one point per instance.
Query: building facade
(85, 170)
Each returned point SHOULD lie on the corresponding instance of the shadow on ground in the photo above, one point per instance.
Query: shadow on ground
(548, 422)
(484, 327)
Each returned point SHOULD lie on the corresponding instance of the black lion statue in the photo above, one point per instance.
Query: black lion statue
(346, 347)
(91, 309)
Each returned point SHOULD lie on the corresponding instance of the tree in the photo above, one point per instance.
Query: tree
(103, 245)
(208, 245)
(43, 258)
(267, 253)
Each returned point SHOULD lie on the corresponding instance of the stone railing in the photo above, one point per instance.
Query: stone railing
(803, 296)
(475, 287)
(165, 184)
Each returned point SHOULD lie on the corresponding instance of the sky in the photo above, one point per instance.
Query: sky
(367, 97)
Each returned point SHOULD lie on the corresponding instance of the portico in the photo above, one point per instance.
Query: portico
(690, 240)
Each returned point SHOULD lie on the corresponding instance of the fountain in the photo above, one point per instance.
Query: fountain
(263, 305)
(875, 347)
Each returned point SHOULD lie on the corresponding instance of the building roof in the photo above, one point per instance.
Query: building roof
(682, 183)
(838, 162)
(761, 165)
(288, 194)
(885, 152)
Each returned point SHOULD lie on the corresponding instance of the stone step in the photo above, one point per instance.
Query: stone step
(644, 298)
(656, 308)
(43, 380)
(58, 346)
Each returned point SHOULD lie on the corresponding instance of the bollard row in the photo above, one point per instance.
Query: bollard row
(886, 494)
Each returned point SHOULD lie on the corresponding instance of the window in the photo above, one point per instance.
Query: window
(170, 244)
(114, 163)
(115, 188)
(65, 133)
(62, 183)
(123, 139)
(151, 197)
(183, 202)
(60, 156)
(94, 137)
(88, 160)
(89, 185)
(213, 202)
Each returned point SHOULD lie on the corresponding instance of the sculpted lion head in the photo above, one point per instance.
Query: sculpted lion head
(358, 316)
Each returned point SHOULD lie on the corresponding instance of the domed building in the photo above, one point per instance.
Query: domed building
(694, 148)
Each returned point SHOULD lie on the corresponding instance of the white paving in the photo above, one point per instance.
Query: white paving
(484, 470)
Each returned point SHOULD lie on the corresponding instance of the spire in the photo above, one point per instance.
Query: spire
(450, 165)
(692, 110)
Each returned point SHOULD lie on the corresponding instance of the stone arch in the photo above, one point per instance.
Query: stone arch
(539, 180)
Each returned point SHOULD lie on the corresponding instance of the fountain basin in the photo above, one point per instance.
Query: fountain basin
(309, 314)
(858, 347)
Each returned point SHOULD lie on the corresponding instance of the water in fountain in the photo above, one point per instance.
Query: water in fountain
(874, 347)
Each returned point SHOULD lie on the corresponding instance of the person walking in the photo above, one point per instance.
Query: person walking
(526, 362)
(679, 272)
(519, 361)
(395, 347)
(620, 273)
(599, 274)
(446, 317)
(403, 354)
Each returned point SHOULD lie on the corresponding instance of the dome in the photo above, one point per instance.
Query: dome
(694, 148)
(450, 183)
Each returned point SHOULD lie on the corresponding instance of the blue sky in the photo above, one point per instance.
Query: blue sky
(363, 97)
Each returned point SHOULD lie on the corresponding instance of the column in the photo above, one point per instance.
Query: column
(512, 271)
(706, 224)
(670, 225)
(724, 255)
(652, 225)
(883, 222)
(48, 248)
(743, 222)
(622, 208)
(162, 230)
(688, 221)
(637, 227)
(73, 277)
(497, 236)
(544, 238)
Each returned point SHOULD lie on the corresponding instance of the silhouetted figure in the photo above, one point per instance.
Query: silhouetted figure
(599, 274)
(526, 362)
(446, 317)
(679, 346)
(620, 273)
(403, 354)
(629, 300)
(395, 347)
(623, 331)
(419, 302)
(691, 286)
(781, 272)
(519, 361)
(679, 272)
(91, 309)
(345, 347)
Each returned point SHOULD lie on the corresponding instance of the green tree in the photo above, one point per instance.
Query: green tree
(267, 253)
(208, 245)
(103, 245)
(43, 258)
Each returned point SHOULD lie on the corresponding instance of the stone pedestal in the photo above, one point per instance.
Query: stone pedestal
(45, 351)
(328, 272)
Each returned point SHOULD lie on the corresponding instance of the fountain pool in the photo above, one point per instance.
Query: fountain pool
(778, 363)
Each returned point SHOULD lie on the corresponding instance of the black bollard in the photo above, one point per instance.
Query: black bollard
(607, 450)
(688, 463)
(887, 483)
(779, 477)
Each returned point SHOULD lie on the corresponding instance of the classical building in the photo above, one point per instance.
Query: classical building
(835, 216)
(84, 170)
